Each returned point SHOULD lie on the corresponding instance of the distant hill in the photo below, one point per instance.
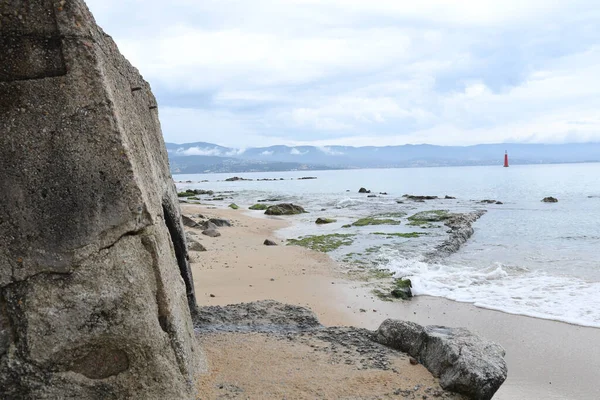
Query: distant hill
(208, 157)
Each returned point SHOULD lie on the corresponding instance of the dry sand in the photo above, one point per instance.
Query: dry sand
(546, 359)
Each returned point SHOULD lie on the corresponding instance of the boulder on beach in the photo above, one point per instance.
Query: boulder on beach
(464, 362)
(211, 233)
(96, 292)
(194, 245)
(269, 242)
(190, 223)
(220, 222)
(207, 225)
(284, 209)
(550, 200)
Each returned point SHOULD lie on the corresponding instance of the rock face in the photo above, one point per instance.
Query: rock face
(96, 293)
(284, 209)
(465, 363)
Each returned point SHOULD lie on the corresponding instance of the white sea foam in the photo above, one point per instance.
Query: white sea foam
(510, 289)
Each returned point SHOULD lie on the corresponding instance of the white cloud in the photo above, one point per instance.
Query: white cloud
(266, 153)
(326, 72)
(197, 151)
(296, 152)
(330, 151)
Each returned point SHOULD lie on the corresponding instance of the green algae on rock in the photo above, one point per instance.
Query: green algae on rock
(427, 217)
(321, 221)
(284, 209)
(323, 243)
(375, 221)
(257, 206)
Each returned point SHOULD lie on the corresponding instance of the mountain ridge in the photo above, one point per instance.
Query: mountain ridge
(199, 157)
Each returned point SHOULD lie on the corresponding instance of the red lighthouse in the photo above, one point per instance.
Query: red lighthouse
(506, 159)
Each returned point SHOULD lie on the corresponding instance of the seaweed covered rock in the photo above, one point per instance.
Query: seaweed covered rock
(96, 293)
(464, 362)
(322, 221)
(284, 209)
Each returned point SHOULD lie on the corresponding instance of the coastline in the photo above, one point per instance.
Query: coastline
(546, 359)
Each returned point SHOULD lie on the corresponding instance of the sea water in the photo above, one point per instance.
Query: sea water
(526, 257)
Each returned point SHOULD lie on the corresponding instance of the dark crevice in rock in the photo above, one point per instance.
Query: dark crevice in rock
(178, 239)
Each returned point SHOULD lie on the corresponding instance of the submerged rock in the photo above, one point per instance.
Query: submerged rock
(96, 293)
(321, 221)
(464, 362)
(402, 289)
(261, 207)
(284, 209)
(419, 198)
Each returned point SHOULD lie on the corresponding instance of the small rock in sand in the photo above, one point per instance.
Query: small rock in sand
(211, 233)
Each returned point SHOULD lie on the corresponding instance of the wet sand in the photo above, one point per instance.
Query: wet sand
(546, 359)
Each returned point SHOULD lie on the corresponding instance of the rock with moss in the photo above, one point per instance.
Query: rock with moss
(427, 217)
(284, 209)
(402, 289)
(260, 207)
(347, 226)
(323, 243)
(321, 221)
(375, 221)
(234, 206)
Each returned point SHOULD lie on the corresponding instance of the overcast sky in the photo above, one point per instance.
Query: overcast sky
(249, 73)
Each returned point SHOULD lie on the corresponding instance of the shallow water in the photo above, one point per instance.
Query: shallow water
(526, 257)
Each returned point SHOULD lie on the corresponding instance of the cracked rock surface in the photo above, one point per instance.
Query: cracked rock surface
(96, 294)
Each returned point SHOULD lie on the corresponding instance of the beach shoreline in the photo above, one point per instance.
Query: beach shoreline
(546, 359)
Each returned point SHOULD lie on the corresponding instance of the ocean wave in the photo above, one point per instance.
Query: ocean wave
(511, 289)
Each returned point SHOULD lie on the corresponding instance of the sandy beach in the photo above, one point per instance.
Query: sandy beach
(546, 359)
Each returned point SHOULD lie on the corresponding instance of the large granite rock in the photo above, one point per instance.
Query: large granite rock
(96, 292)
(464, 362)
(284, 209)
